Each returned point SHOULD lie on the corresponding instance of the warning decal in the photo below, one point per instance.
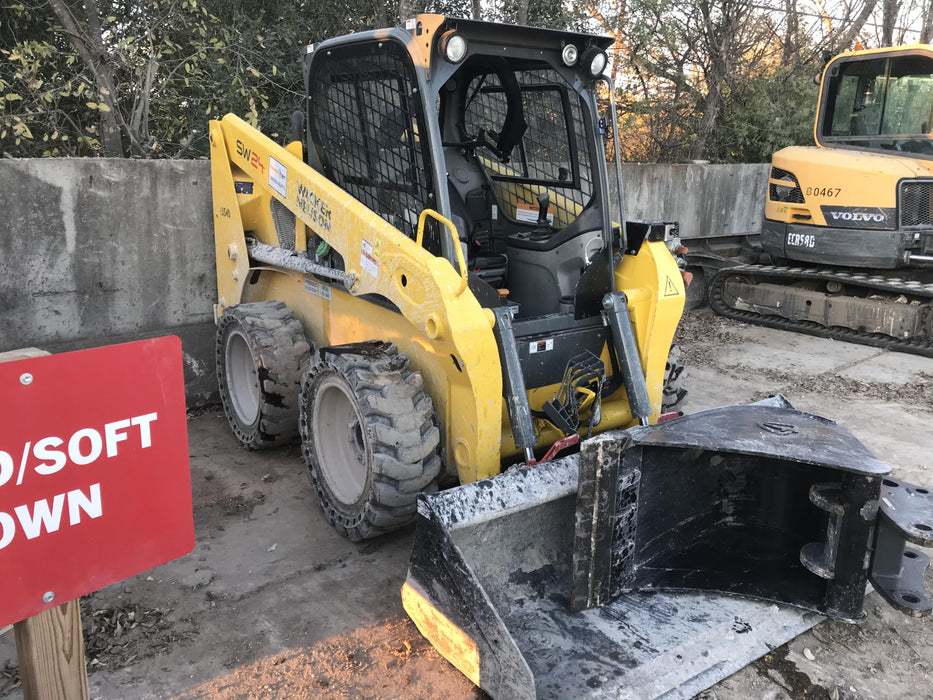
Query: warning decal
(278, 177)
(369, 257)
(529, 214)
(670, 289)
(317, 289)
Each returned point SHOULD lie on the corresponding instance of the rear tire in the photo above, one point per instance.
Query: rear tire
(261, 355)
(674, 393)
(369, 437)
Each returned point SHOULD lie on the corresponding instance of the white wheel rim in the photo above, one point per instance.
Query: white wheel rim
(242, 378)
(340, 440)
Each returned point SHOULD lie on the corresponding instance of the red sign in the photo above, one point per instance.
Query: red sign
(94, 478)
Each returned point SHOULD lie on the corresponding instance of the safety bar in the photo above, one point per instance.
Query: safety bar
(453, 232)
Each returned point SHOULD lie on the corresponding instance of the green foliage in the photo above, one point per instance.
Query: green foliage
(551, 14)
(173, 64)
(168, 66)
(43, 91)
(770, 112)
(708, 79)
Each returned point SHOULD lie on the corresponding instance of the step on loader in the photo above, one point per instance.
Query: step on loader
(429, 286)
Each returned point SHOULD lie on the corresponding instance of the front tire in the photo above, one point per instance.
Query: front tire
(369, 437)
(261, 355)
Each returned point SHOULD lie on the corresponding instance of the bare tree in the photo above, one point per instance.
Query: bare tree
(730, 34)
(926, 30)
(409, 8)
(847, 32)
(889, 10)
(789, 53)
(90, 47)
(521, 16)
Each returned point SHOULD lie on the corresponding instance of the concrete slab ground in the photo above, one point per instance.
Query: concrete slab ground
(273, 604)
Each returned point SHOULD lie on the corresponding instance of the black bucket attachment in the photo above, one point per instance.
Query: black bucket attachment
(546, 581)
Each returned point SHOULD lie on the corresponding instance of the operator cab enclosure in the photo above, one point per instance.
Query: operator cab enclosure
(496, 128)
(879, 101)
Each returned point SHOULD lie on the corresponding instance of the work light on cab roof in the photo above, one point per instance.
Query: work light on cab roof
(569, 55)
(595, 61)
(453, 46)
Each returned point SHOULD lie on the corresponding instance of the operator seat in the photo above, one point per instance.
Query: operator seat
(491, 269)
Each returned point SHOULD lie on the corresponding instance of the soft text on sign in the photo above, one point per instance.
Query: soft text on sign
(82, 448)
(51, 454)
(94, 479)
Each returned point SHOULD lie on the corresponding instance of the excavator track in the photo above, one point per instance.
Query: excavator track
(803, 297)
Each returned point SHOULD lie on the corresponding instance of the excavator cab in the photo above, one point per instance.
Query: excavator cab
(848, 227)
(879, 102)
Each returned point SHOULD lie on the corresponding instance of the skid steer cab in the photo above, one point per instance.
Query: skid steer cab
(432, 285)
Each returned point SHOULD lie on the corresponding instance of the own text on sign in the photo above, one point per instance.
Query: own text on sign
(82, 448)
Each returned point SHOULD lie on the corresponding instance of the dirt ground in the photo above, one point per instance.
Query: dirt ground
(272, 603)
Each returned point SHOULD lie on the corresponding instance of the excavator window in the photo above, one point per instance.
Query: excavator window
(365, 118)
(881, 104)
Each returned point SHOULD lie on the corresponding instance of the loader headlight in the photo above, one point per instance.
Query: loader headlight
(595, 60)
(453, 46)
(569, 55)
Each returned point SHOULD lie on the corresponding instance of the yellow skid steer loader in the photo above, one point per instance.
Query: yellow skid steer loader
(427, 287)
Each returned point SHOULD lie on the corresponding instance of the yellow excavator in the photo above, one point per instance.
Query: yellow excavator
(429, 288)
(849, 222)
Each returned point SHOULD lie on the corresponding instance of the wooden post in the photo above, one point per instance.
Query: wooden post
(50, 645)
(50, 648)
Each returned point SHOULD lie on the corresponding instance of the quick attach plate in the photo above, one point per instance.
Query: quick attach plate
(906, 515)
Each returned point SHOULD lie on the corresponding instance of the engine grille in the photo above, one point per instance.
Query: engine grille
(916, 203)
(284, 222)
(784, 193)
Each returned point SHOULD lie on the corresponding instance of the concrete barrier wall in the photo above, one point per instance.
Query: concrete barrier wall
(97, 251)
(100, 251)
(705, 199)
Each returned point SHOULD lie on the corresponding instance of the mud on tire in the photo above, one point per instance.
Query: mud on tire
(369, 437)
(261, 355)
(674, 392)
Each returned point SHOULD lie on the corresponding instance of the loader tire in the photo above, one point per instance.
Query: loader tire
(369, 437)
(261, 356)
(674, 393)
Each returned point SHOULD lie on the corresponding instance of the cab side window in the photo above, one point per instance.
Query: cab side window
(366, 120)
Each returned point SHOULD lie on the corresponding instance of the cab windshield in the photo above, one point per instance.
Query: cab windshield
(550, 151)
(880, 104)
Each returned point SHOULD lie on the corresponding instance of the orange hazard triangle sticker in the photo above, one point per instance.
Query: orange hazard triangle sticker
(670, 289)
